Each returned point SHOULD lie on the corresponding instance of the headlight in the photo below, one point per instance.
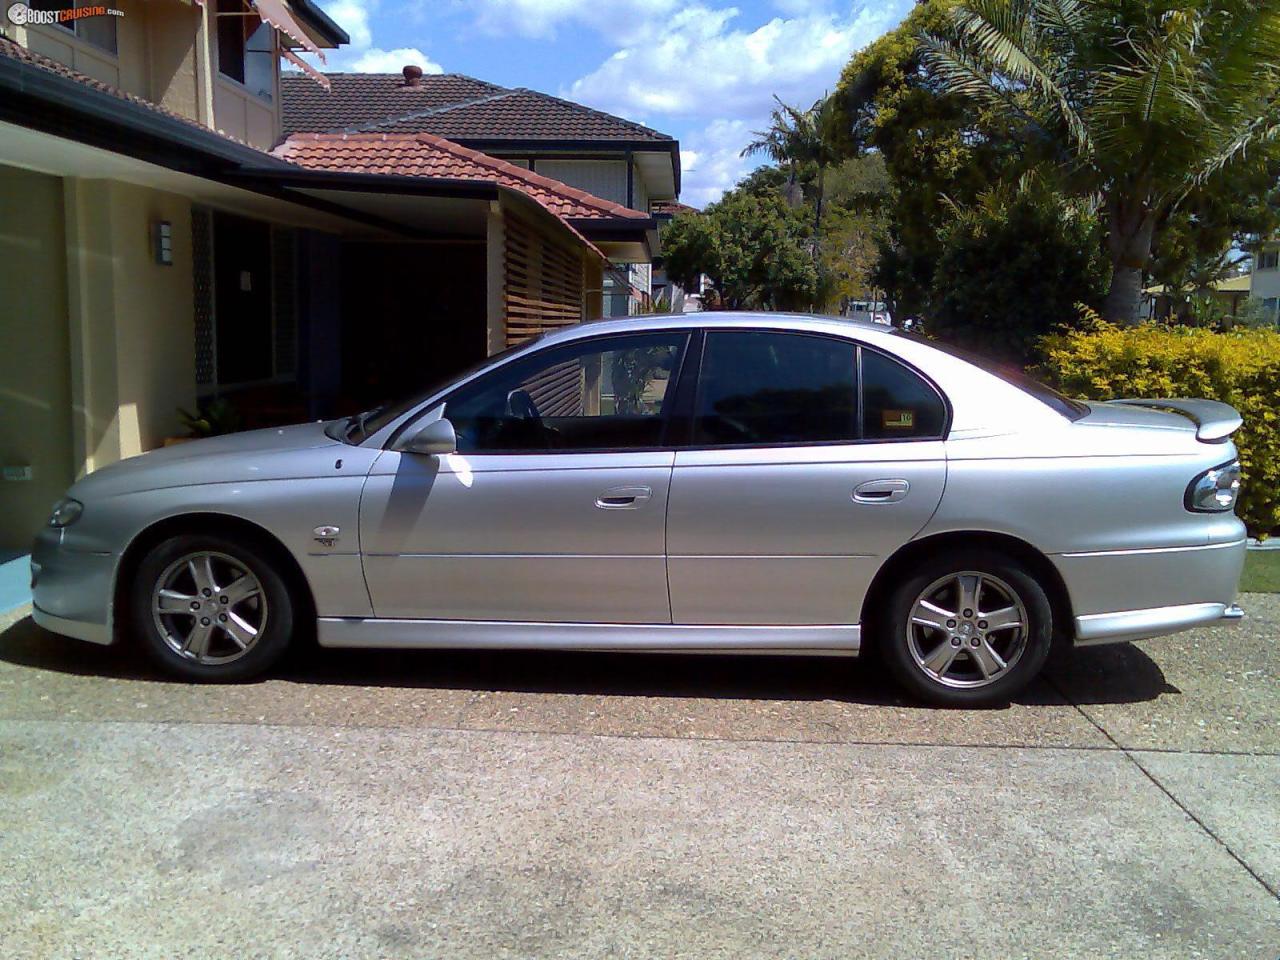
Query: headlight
(1215, 491)
(65, 512)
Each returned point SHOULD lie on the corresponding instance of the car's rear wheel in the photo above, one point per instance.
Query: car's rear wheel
(969, 628)
(208, 608)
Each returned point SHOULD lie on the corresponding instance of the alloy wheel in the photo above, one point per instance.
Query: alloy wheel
(209, 607)
(967, 629)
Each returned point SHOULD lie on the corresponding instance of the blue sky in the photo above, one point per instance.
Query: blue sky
(703, 72)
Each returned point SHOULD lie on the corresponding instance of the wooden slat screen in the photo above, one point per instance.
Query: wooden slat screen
(542, 286)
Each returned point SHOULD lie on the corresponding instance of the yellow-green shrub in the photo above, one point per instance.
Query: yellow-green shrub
(1241, 368)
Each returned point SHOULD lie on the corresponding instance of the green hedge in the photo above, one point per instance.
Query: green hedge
(1241, 368)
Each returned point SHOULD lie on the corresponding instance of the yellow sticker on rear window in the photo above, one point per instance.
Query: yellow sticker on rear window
(898, 419)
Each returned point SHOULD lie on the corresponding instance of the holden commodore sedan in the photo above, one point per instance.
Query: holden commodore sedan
(732, 482)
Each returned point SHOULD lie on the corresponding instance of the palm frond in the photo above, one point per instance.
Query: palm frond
(1005, 34)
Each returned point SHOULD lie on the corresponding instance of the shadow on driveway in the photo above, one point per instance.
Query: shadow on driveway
(1119, 673)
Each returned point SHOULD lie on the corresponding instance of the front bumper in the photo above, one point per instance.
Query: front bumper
(71, 589)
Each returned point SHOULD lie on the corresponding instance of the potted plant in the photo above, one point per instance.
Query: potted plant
(214, 417)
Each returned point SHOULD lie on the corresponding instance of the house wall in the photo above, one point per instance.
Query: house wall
(144, 47)
(604, 178)
(131, 320)
(166, 54)
(35, 391)
(1265, 284)
(173, 41)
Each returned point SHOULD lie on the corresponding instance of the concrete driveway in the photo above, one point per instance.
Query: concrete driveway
(520, 805)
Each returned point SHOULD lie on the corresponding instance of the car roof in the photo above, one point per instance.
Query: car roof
(713, 319)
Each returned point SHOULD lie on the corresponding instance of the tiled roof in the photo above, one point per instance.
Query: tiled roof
(359, 97)
(426, 155)
(447, 105)
(671, 208)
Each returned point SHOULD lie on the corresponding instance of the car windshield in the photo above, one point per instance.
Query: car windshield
(360, 427)
(1069, 408)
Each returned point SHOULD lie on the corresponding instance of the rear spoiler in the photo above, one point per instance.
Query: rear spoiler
(1213, 420)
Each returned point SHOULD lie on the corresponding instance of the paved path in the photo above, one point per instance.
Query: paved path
(522, 805)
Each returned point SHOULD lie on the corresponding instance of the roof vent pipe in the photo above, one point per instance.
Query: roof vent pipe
(412, 75)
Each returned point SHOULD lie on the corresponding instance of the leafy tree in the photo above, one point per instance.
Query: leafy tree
(856, 193)
(936, 147)
(1143, 100)
(997, 293)
(753, 248)
(796, 140)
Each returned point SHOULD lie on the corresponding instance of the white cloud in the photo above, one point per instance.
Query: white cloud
(697, 65)
(361, 56)
(375, 60)
(353, 17)
(540, 18)
(711, 161)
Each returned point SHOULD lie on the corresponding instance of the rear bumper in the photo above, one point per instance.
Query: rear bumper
(1156, 622)
(1130, 594)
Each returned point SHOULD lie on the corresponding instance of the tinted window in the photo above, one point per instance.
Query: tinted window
(608, 394)
(896, 403)
(770, 388)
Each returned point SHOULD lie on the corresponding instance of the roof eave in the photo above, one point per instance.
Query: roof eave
(320, 22)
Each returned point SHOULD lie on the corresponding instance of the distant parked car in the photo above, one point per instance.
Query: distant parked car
(730, 482)
(873, 310)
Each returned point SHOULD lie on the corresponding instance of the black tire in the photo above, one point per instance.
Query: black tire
(964, 682)
(272, 604)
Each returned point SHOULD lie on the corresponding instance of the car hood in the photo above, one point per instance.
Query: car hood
(277, 453)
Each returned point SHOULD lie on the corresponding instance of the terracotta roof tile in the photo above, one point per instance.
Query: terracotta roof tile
(448, 105)
(426, 155)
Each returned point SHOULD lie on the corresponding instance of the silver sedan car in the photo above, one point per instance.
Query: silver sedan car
(732, 482)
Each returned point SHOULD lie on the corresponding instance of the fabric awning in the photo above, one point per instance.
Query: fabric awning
(306, 68)
(277, 14)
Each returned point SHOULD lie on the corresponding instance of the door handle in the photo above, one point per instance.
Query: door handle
(623, 498)
(881, 491)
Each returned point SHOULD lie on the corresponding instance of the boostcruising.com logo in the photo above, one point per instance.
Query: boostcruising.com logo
(22, 15)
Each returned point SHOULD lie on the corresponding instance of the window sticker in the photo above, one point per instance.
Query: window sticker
(898, 419)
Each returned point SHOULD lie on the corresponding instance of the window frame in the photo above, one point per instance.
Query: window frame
(593, 343)
(686, 441)
(71, 28)
(273, 55)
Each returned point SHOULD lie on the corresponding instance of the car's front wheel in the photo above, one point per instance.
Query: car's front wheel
(208, 608)
(968, 628)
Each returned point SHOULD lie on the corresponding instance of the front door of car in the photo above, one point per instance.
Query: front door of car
(553, 507)
(801, 476)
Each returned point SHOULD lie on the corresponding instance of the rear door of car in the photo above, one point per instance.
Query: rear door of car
(808, 460)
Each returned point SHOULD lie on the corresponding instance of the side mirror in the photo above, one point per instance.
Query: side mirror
(436, 438)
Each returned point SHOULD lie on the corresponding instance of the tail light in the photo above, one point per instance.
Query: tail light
(1215, 490)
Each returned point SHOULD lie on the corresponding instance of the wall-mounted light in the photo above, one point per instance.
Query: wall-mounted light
(162, 242)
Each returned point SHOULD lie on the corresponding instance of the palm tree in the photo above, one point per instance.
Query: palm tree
(1145, 100)
(795, 140)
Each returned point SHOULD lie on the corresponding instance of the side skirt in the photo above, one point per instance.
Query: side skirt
(824, 639)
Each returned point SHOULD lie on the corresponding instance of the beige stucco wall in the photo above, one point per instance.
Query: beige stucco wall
(131, 320)
(160, 54)
(172, 35)
(35, 393)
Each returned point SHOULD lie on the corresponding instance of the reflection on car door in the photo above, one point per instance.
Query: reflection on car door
(553, 508)
(799, 480)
